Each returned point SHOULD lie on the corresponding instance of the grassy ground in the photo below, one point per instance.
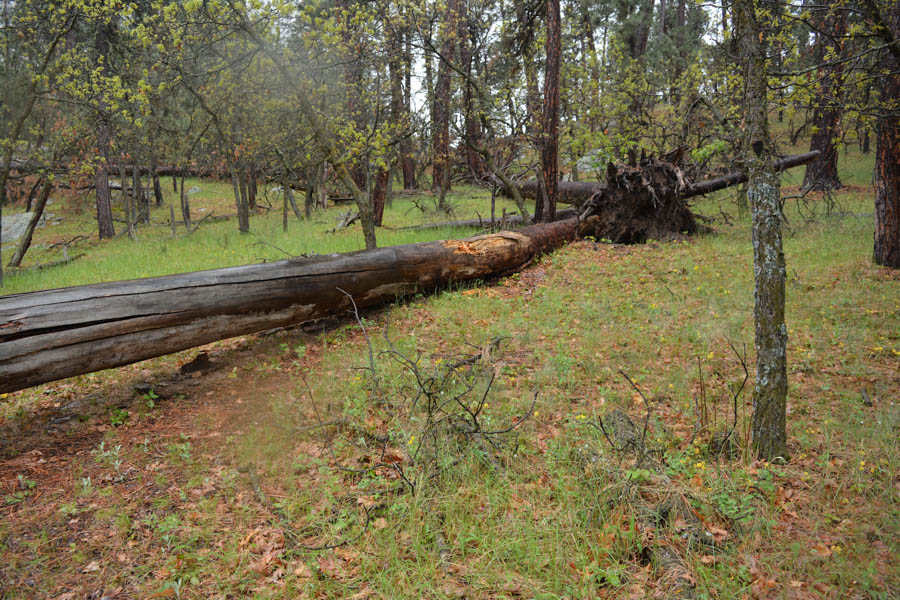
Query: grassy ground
(297, 467)
(219, 244)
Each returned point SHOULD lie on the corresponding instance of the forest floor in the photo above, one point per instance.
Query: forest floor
(452, 446)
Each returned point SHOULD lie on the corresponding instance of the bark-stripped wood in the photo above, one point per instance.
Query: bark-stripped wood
(45, 336)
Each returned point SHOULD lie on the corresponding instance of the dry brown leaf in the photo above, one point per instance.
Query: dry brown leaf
(91, 567)
(331, 566)
(366, 501)
(363, 593)
(719, 534)
(380, 523)
(303, 571)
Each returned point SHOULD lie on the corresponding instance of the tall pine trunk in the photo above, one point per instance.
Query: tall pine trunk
(440, 112)
(101, 177)
(822, 173)
(550, 120)
(407, 162)
(887, 154)
(472, 124)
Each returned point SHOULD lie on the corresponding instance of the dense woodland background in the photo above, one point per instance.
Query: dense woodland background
(347, 94)
(589, 427)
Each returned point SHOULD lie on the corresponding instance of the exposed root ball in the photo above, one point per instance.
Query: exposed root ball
(640, 203)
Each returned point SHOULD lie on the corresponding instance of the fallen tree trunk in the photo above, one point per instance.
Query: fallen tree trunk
(502, 223)
(50, 335)
(45, 336)
(579, 192)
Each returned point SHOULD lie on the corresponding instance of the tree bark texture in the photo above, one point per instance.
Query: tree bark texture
(471, 122)
(379, 195)
(822, 173)
(440, 112)
(887, 156)
(768, 427)
(101, 176)
(407, 162)
(550, 120)
(54, 334)
(101, 183)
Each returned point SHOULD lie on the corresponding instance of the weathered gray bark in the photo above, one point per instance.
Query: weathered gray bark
(59, 333)
(769, 427)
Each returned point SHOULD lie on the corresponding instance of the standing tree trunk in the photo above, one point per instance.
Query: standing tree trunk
(289, 197)
(550, 121)
(379, 194)
(472, 124)
(887, 151)
(25, 241)
(769, 428)
(353, 90)
(101, 177)
(238, 202)
(101, 183)
(239, 183)
(251, 188)
(822, 173)
(399, 116)
(312, 190)
(592, 63)
(440, 112)
(407, 163)
(141, 199)
(127, 202)
(154, 175)
(185, 202)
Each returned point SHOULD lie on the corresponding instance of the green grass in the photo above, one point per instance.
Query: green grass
(219, 244)
(557, 514)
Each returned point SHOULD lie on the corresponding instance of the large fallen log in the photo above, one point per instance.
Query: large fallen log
(579, 192)
(45, 336)
(503, 222)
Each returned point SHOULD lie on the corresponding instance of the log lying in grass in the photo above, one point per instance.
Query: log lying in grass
(50, 335)
(574, 192)
(45, 336)
(501, 223)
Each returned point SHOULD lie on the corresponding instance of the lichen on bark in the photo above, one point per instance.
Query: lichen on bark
(769, 427)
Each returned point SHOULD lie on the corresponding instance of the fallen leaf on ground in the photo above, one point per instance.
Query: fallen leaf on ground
(91, 567)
